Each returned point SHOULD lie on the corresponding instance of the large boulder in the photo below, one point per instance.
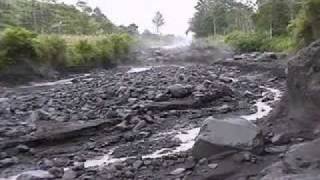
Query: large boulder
(300, 162)
(220, 135)
(35, 175)
(297, 115)
(179, 91)
(304, 85)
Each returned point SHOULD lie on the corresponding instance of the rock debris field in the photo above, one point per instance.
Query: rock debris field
(166, 121)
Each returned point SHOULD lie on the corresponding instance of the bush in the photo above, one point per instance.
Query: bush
(16, 45)
(83, 53)
(249, 42)
(121, 44)
(51, 50)
(105, 51)
(278, 44)
(306, 27)
(245, 42)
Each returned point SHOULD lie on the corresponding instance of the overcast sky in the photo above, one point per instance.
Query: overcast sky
(177, 13)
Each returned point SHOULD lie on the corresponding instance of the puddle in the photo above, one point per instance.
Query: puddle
(263, 107)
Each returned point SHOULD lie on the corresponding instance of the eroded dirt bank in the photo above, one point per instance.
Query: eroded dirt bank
(138, 123)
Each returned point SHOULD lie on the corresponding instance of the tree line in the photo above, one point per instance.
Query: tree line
(272, 19)
(49, 16)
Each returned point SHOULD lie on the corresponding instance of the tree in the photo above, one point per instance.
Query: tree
(7, 16)
(215, 17)
(132, 29)
(273, 16)
(105, 25)
(158, 21)
(307, 25)
(83, 5)
(51, 16)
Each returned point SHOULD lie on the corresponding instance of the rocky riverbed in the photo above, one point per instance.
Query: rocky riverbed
(138, 122)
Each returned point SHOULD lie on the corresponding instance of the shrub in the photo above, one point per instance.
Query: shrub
(105, 51)
(51, 50)
(3, 60)
(16, 45)
(306, 27)
(83, 53)
(245, 42)
(278, 44)
(248, 42)
(121, 44)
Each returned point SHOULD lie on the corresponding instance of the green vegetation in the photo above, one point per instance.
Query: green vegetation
(248, 42)
(245, 41)
(268, 25)
(51, 50)
(306, 27)
(48, 16)
(18, 45)
(56, 35)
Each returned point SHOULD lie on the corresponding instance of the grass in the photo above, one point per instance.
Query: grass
(18, 45)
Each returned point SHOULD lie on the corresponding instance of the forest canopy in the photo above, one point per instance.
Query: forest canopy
(281, 23)
(48, 16)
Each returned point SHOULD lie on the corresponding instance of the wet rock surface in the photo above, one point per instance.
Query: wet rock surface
(127, 124)
(213, 139)
(303, 85)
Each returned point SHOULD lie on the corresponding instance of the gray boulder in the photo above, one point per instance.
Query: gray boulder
(304, 87)
(267, 57)
(300, 162)
(179, 91)
(7, 162)
(35, 175)
(220, 135)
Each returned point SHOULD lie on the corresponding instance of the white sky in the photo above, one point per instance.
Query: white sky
(177, 13)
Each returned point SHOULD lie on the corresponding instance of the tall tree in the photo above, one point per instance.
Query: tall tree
(105, 25)
(273, 16)
(50, 16)
(214, 17)
(158, 21)
(307, 24)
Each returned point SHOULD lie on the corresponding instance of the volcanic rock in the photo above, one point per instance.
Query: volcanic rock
(300, 162)
(304, 87)
(179, 91)
(220, 135)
